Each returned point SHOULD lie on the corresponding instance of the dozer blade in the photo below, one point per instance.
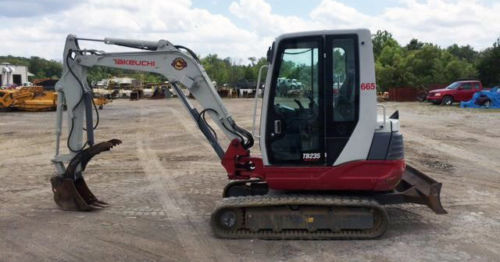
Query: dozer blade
(422, 189)
(415, 187)
(71, 192)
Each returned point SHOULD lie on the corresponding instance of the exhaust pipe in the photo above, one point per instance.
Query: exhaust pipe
(71, 192)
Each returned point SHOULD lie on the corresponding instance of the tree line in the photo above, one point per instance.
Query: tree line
(416, 64)
(419, 64)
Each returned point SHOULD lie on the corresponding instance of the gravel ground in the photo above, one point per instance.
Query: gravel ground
(164, 181)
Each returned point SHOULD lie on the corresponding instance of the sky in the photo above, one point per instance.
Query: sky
(237, 28)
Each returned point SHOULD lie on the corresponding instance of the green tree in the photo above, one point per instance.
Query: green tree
(414, 44)
(391, 68)
(382, 39)
(252, 60)
(433, 65)
(489, 65)
(463, 52)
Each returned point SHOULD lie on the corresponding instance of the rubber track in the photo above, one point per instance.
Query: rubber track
(241, 203)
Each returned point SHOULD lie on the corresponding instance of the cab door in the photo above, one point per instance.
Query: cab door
(295, 118)
(341, 92)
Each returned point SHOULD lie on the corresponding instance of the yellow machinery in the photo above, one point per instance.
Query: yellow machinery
(35, 98)
(100, 101)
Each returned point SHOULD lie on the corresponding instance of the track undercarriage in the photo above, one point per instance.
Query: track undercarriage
(250, 210)
(299, 217)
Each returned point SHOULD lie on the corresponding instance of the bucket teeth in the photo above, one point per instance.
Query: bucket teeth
(71, 192)
(66, 195)
(87, 195)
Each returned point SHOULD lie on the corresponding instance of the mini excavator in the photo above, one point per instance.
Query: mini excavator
(329, 162)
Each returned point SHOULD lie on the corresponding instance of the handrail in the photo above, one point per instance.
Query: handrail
(383, 107)
(255, 100)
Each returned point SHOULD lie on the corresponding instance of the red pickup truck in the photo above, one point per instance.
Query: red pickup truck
(456, 92)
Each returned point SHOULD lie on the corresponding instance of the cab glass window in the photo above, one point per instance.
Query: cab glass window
(344, 80)
(297, 83)
(295, 122)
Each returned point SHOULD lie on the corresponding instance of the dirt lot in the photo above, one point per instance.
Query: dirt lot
(164, 180)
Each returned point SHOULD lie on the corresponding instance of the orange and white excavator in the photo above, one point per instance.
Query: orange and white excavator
(328, 163)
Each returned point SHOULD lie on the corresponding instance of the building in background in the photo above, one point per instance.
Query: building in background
(13, 75)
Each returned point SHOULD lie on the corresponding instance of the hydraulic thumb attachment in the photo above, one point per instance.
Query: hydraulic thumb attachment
(71, 193)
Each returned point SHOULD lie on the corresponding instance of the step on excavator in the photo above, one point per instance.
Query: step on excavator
(329, 162)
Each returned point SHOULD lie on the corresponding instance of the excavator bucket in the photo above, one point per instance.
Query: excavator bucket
(74, 195)
(415, 187)
(70, 190)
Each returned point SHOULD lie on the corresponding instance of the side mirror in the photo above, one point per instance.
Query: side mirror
(460, 88)
(269, 56)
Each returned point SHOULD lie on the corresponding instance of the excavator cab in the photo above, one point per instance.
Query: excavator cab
(315, 113)
(313, 102)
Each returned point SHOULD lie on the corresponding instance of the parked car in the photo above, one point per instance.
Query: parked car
(456, 92)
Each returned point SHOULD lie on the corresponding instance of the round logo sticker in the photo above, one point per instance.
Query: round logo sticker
(179, 63)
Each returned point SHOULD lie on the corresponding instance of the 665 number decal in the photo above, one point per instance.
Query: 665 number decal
(368, 86)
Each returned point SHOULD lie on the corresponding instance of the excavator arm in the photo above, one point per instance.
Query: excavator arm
(178, 64)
